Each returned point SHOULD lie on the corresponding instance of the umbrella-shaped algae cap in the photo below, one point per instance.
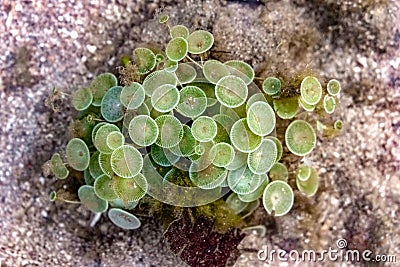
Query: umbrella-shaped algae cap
(242, 138)
(310, 90)
(143, 130)
(263, 158)
(132, 96)
(57, 167)
(200, 41)
(130, 189)
(261, 118)
(177, 49)
(145, 59)
(126, 161)
(309, 186)
(278, 198)
(82, 98)
(123, 219)
(111, 106)
(271, 86)
(100, 85)
(192, 102)
(165, 98)
(179, 31)
(241, 69)
(300, 138)
(231, 91)
(78, 155)
(170, 131)
(333, 87)
(90, 200)
(204, 128)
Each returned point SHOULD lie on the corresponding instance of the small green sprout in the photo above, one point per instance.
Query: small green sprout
(309, 186)
(160, 57)
(163, 19)
(53, 196)
(338, 125)
(303, 172)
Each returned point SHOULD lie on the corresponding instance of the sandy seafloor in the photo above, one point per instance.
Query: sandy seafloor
(63, 44)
